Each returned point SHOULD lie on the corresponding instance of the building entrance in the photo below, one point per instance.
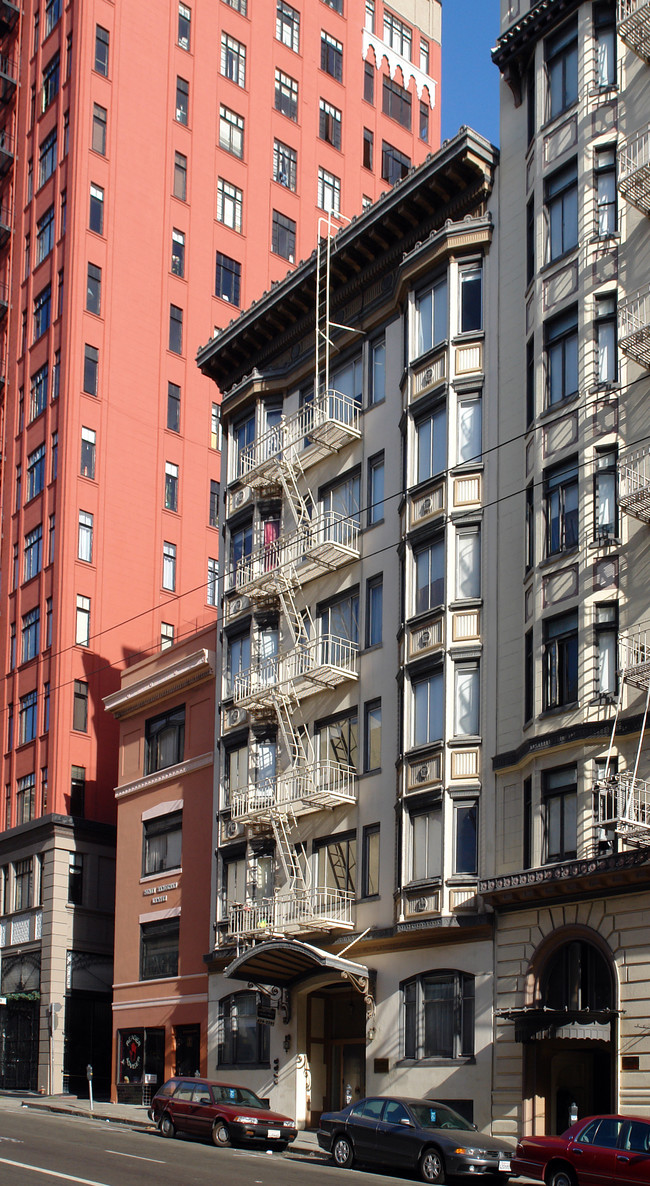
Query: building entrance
(336, 1049)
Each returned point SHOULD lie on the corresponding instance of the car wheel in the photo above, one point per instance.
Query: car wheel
(167, 1126)
(221, 1134)
(432, 1167)
(560, 1175)
(342, 1152)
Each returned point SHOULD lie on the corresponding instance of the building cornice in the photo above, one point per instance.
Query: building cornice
(175, 773)
(514, 48)
(596, 732)
(168, 681)
(603, 876)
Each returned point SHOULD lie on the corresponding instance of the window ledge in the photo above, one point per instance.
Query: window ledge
(559, 259)
(464, 1060)
(560, 708)
(556, 119)
(550, 561)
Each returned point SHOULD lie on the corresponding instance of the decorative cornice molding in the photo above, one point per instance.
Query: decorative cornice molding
(180, 770)
(163, 683)
(395, 61)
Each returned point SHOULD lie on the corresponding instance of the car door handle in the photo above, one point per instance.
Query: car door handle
(577, 1152)
(621, 1157)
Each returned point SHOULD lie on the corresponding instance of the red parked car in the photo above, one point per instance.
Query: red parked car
(595, 1151)
(221, 1112)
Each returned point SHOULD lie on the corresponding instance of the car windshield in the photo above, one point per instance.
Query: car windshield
(437, 1116)
(236, 1095)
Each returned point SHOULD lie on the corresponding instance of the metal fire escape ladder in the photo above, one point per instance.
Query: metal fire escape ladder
(287, 841)
(622, 800)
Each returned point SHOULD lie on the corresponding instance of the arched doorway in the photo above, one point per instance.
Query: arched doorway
(569, 1036)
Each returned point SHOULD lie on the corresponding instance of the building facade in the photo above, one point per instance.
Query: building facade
(351, 953)
(567, 590)
(110, 435)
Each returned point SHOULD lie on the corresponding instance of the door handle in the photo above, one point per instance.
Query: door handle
(621, 1157)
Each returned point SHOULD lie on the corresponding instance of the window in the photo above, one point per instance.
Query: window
(561, 660)
(94, 289)
(173, 407)
(231, 131)
(431, 445)
(91, 369)
(283, 236)
(46, 709)
(377, 392)
(287, 25)
(66, 132)
(374, 611)
(605, 510)
(96, 219)
(64, 207)
(12, 646)
(369, 20)
(27, 718)
(101, 50)
(82, 628)
(171, 486)
(10, 728)
(424, 56)
(428, 700)
(369, 82)
(51, 538)
(33, 553)
(429, 576)
(530, 240)
(329, 191)
(100, 117)
(50, 88)
(606, 629)
(30, 177)
(471, 300)
(241, 544)
(233, 60)
(166, 635)
(339, 625)
(80, 706)
(35, 472)
(468, 562)
(466, 838)
(162, 839)
(14, 568)
(45, 235)
(396, 102)
(175, 329)
(229, 204)
(88, 448)
(85, 537)
(562, 68)
(605, 181)
(336, 863)
(213, 577)
(213, 512)
(467, 700)
(561, 197)
(164, 740)
(561, 334)
(530, 526)
(31, 629)
(561, 507)
(431, 317)
(394, 164)
(52, 14)
(42, 312)
(239, 659)
(606, 346)
(426, 844)
(180, 176)
(329, 124)
(376, 489)
(59, 293)
(285, 164)
(560, 814)
(605, 33)
(337, 5)
(228, 279)
(370, 861)
(397, 35)
(286, 95)
(77, 790)
(372, 736)
(241, 1041)
(469, 428)
(439, 1016)
(184, 26)
(23, 882)
(75, 878)
(169, 566)
(423, 126)
(159, 949)
(368, 144)
(182, 100)
(331, 56)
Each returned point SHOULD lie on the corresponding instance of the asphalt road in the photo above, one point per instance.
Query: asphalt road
(42, 1149)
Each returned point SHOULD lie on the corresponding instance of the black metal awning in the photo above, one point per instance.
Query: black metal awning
(535, 1023)
(285, 962)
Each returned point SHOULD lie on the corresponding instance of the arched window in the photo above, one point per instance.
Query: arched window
(577, 977)
(242, 1041)
(438, 1015)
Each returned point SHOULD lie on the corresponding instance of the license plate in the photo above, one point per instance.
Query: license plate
(504, 1167)
(274, 1134)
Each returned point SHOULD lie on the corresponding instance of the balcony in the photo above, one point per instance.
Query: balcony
(623, 804)
(634, 485)
(634, 170)
(634, 657)
(634, 327)
(9, 13)
(320, 427)
(311, 910)
(313, 787)
(330, 541)
(633, 23)
(308, 668)
(8, 78)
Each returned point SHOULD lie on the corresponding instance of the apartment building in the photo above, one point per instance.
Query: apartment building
(567, 589)
(128, 232)
(351, 954)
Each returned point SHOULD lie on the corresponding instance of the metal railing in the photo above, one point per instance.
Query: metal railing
(328, 542)
(324, 662)
(634, 484)
(332, 417)
(634, 327)
(318, 909)
(634, 170)
(633, 21)
(634, 651)
(623, 803)
(311, 787)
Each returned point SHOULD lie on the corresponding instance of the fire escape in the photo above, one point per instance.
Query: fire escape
(311, 542)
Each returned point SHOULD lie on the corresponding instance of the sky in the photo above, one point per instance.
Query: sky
(470, 80)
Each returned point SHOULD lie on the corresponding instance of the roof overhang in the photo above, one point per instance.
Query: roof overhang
(284, 963)
(514, 49)
(534, 1023)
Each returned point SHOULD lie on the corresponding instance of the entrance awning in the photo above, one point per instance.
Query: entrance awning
(533, 1024)
(284, 963)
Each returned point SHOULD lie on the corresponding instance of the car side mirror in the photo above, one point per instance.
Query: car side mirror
(205, 1099)
(406, 1122)
(266, 1103)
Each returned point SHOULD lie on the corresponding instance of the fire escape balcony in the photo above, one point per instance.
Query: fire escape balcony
(633, 23)
(9, 13)
(634, 170)
(634, 657)
(320, 427)
(312, 787)
(8, 78)
(4, 304)
(634, 485)
(319, 909)
(5, 223)
(622, 803)
(634, 327)
(6, 152)
(329, 542)
(308, 668)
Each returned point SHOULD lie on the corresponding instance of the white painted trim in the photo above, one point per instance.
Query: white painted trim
(393, 60)
(161, 776)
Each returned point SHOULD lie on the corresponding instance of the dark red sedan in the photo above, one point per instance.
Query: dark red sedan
(222, 1112)
(595, 1151)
